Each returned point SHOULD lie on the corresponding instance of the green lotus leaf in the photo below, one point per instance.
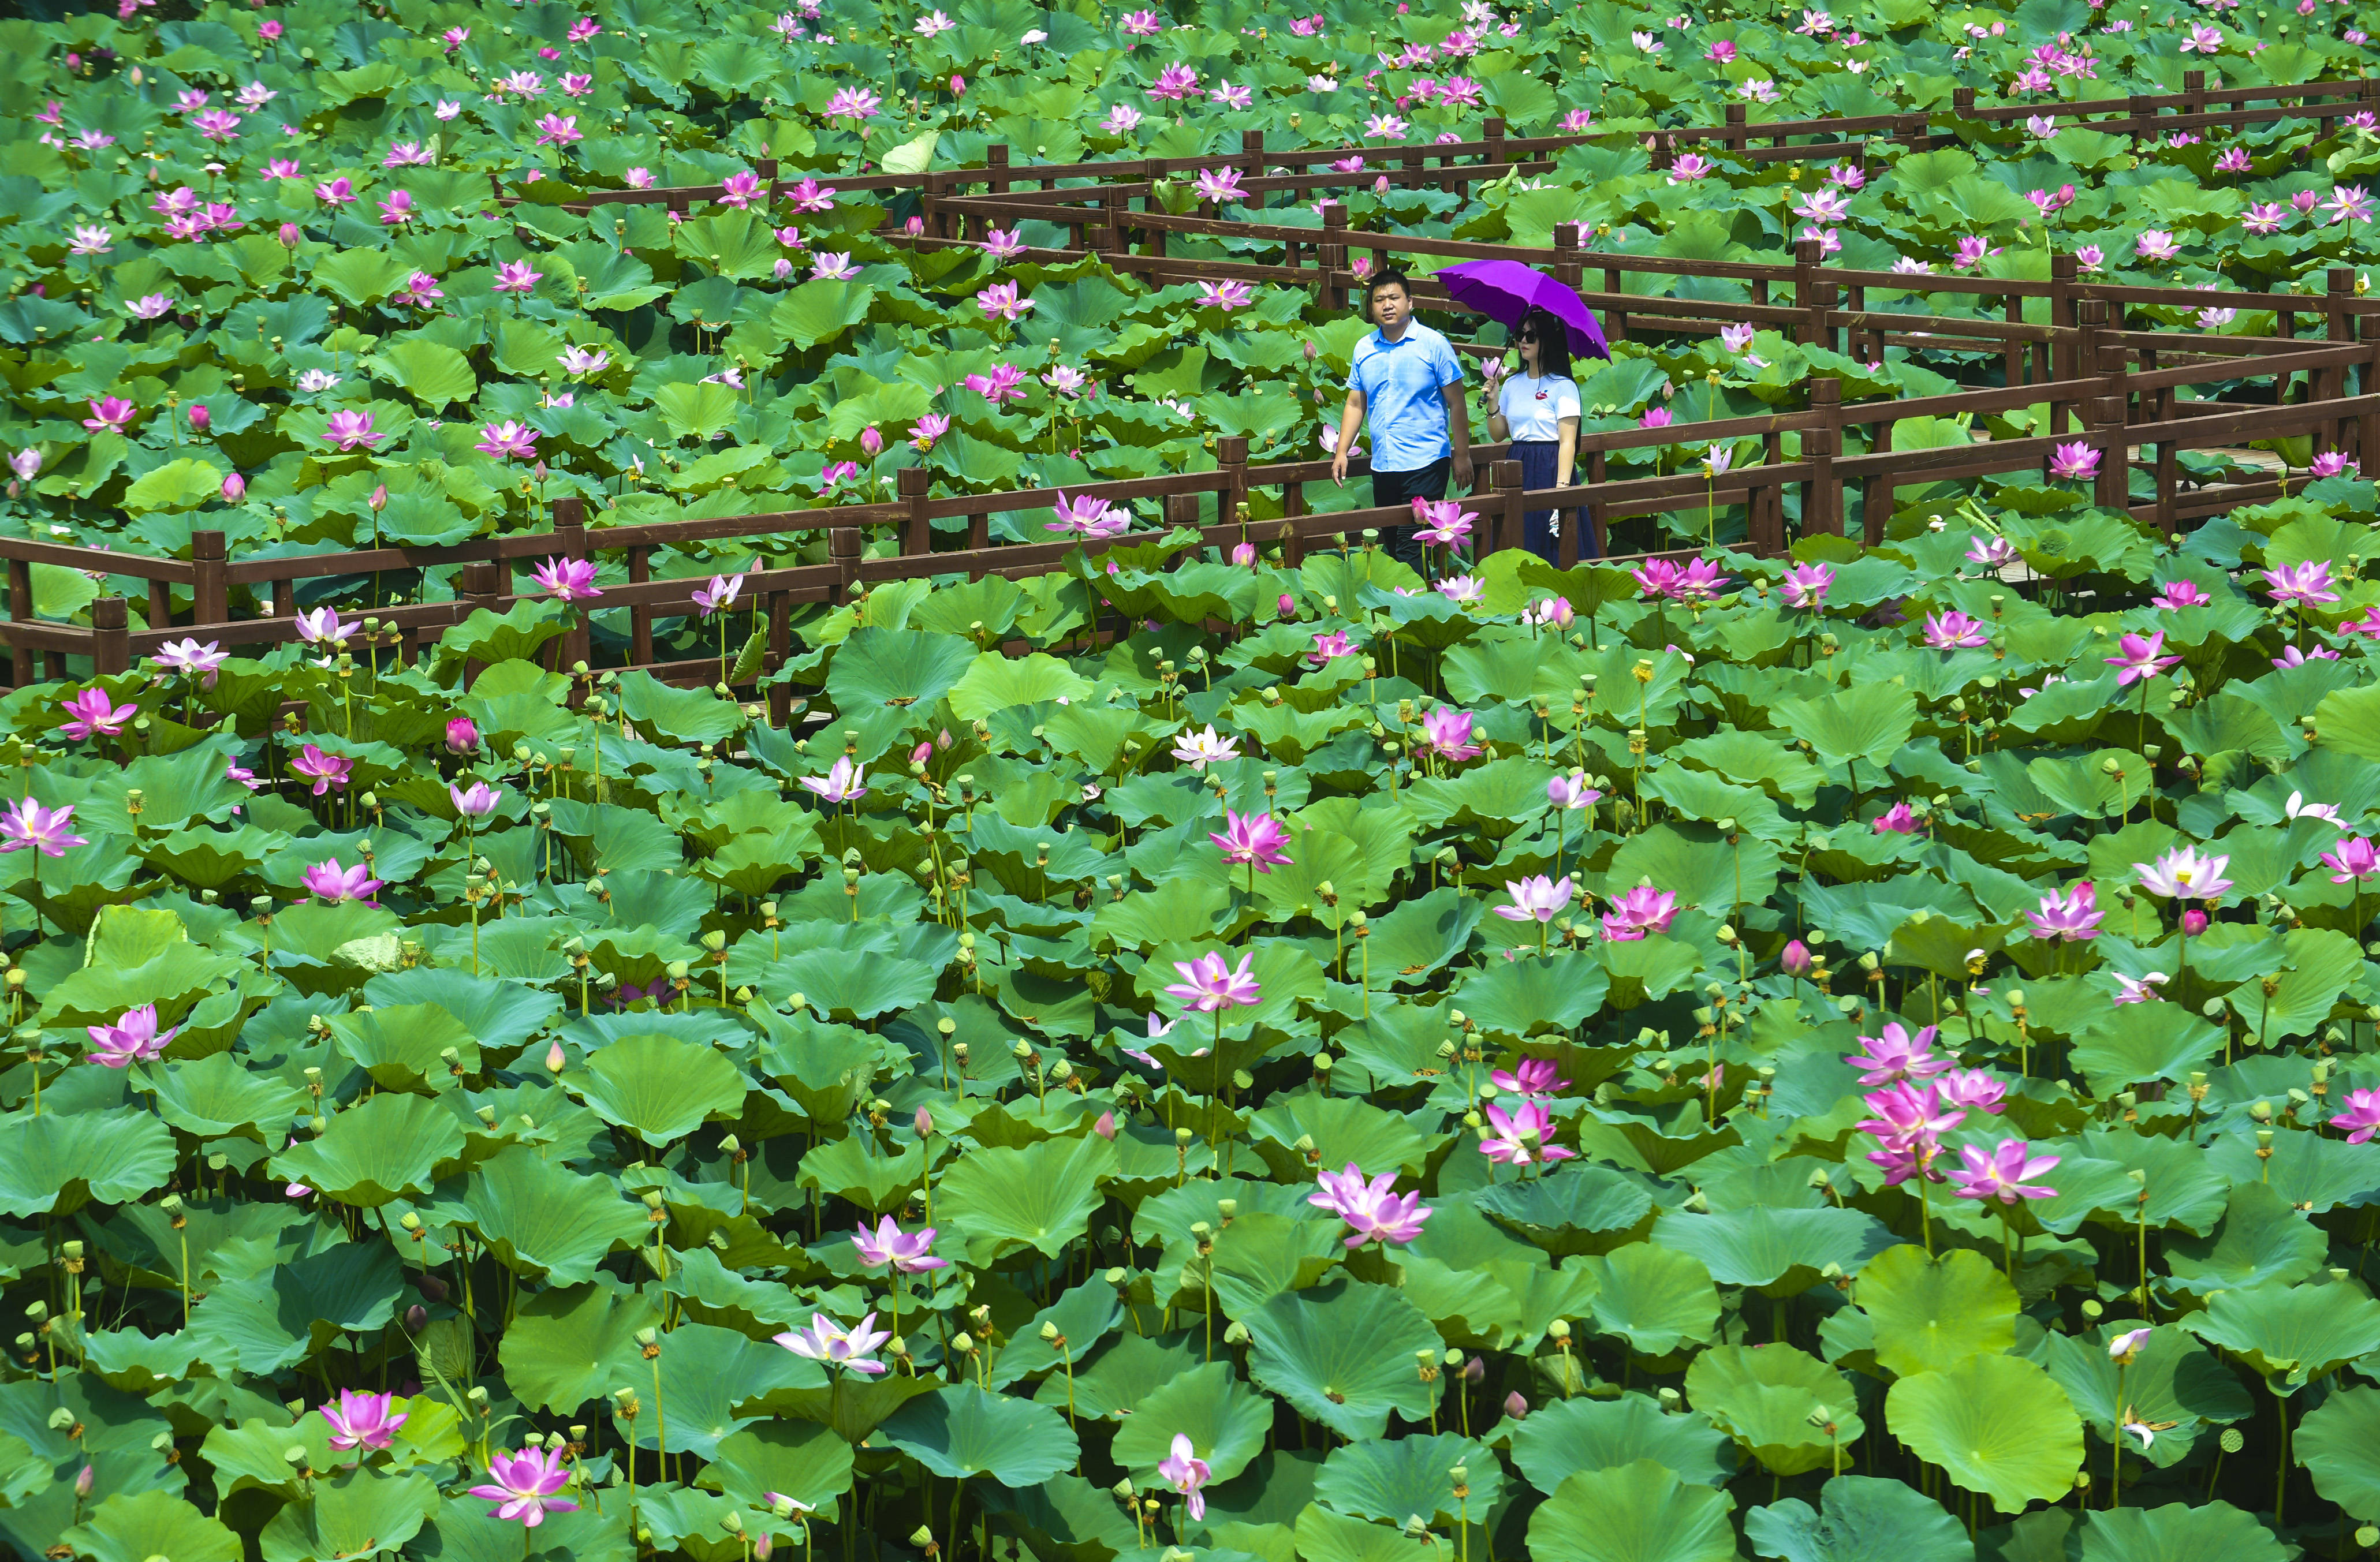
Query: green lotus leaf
(385, 1148)
(1636, 1512)
(1572, 1435)
(1576, 1208)
(1852, 729)
(1395, 1479)
(1522, 997)
(1225, 1421)
(998, 683)
(348, 1514)
(1000, 1201)
(2172, 1379)
(133, 1527)
(896, 667)
(660, 1087)
(403, 1045)
(2180, 1531)
(2339, 1442)
(962, 1431)
(174, 979)
(55, 1164)
(1859, 1519)
(568, 1345)
(858, 989)
(216, 1096)
(1994, 1424)
(2291, 1335)
(714, 1383)
(1655, 1298)
(1769, 1398)
(540, 1219)
(2261, 1242)
(1083, 1318)
(806, 1461)
(1343, 1355)
(1932, 1312)
(1781, 1251)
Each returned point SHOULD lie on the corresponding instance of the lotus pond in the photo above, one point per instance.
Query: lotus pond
(1864, 1054)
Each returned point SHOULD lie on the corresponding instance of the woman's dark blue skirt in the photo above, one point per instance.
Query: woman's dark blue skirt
(1538, 459)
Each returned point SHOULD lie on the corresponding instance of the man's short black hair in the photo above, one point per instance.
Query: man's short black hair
(1391, 277)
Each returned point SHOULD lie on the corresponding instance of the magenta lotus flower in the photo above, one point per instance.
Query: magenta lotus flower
(2071, 916)
(841, 784)
(1187, 1475)
(927, 429)
(1334, 644)
(93, 714)
(1372, 1210)
(2140, 659)
(462, 735)
(1254, 839)
(2138, 990)
(720, 597)
(517, 276)
(109, 413)
(1530, 1078)
(1974, 1088)
(2001, 1174)
(2180, 594)
(1210, 986)
(1905, 1113)
(1954, 631)
(477, 803)
(1446, 731)
(2074, 462)
(1444, 524)
(325, 770)
(1894, 821)
(522, 1485)
(363, 1420)
(1174, 83)
(907, 1252)
(327, 880)
(2332, 463)
(2362, 1115)
(1638, 912)
(1902, 1162)
(350, 430)
(1537, 899)
(1521, 1137)
(1004, 383)
(132, 1039)
(2352, 860)
(192, 660)
(2293, 656)
(829, 1342)
(320, 626)
(1570, 792)
(1002, 301)
(567, 580)
(2305, 584)
(509, 438)
(1898, 1055)
(1806, 585)
(1232, 293)
(1089, 517)
(46, 830)
(2182, 874)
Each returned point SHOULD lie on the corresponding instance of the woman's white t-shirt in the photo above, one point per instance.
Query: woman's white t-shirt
(1534, 407)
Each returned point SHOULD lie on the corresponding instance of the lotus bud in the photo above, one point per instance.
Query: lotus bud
(1516, 1407)
(416, 1318)
(62, 1418)
(1105, 1127)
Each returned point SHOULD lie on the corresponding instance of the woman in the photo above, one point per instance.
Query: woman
(1537, 409)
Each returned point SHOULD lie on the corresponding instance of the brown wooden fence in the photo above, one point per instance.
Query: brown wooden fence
(2063, 346)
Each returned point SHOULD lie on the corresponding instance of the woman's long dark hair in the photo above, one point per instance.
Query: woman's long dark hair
(1553, 344)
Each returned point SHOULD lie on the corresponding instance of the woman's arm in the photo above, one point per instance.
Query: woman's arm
(1566, 457)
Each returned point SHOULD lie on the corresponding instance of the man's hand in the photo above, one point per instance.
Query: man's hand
(1462, 470)
(1339, 466)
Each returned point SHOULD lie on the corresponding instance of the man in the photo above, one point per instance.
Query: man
(1406, 379)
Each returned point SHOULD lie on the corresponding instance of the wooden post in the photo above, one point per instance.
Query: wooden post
(2194, 91)
(478, 585)
(1962, 103)
(2144, 116)
(1251, 160)
(2111, 489)
(1822, 496)
(1493, 133)
(1231, 462)
(1153, 171)
(1590, 517)
(1568, 238)
(842, 552)
(570, 536)
(1506, 475)
(640, 617)
(1332, 255)
(1815, 297)
(2063, 270)
(111, 649)
(913, 484)
(1736, 134)
(211, 597)
(2330, 384)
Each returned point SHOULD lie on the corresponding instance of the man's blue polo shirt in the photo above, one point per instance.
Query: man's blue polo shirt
(1404, 383)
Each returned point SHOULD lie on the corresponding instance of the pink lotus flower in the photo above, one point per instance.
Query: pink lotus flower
(829, 1342)
(1446, 731)
(1907, 1113)
(46, 830)
(1571, 792)
(2182, 874)
(363, 1420)
(132, 1039)
(1372, 1210)
(477, 803)
(350, 430)
(841, 784)
(1953, 631)
(1806, 585)
(2001, 1174)
(189, 658)
(2305, 584)
(1187, 1474)
(721, 596)
(1974, 1088)
(1209, 985)
(1530, 1078)
(906, 1252)
(2352, 860)
(1638, 912)
(1720, 53)
(1004, 383)
(325, 770)
(2071, 916)
(1445, 524)
(568, 580)
(2180, 594)
(1537, 899)
(1174, 83)
(2074, 463)
(2156, 244)
(1001, 301)
(2293, 656)
(855, 104)
(509, 438)
(1898, 1055)
(216, 125)
(2140, 659)
(522, 1485)
(93, 714)
(1231, 295)
(2363, 1115)
(1521, 1137)
(1254, 839)
(327, 880)
(109, 413)
(1334, 644)
(320, 626)
(396, 209)
(517, 276)
(1894, 821)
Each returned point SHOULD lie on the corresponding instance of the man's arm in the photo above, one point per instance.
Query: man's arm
(1349, 422)
(1458, 429)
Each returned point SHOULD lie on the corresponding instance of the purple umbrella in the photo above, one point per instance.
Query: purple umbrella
(1506, 290)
